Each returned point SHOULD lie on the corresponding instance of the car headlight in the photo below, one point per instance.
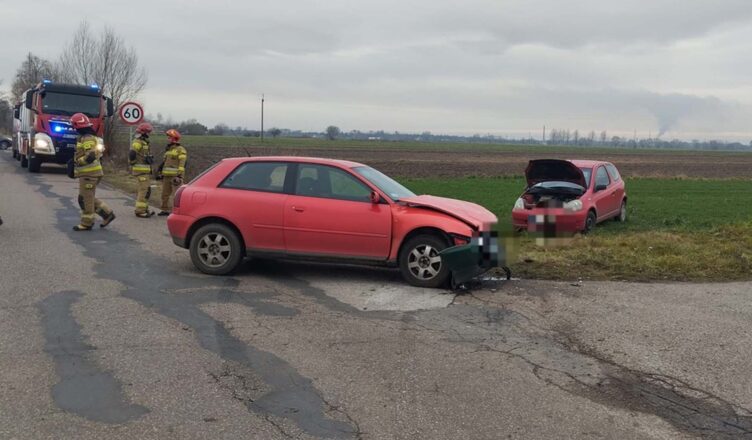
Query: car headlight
(519, 204)
(43, 143)
(573, 205)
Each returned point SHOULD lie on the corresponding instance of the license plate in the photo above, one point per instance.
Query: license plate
(70, 145)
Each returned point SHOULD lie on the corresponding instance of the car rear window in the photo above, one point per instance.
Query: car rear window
(613, 172)
(258, 176)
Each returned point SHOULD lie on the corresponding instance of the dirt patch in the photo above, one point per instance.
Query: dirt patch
(425, 162)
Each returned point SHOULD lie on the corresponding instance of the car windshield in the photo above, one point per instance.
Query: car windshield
(587, 172)
(54, 103)
(385, 183)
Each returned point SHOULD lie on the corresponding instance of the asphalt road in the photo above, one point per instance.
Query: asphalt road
(113, 334)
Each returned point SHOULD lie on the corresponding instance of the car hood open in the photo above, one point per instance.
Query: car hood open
(474, 215)
(550, 170)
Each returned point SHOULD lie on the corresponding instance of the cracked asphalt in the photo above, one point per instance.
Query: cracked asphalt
(113, 334)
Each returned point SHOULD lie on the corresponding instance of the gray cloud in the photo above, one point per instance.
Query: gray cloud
(475, 66)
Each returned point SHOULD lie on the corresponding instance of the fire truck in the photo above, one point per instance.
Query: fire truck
(44, 133)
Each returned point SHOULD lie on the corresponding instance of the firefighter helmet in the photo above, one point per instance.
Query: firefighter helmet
(173, 135)
(144, 128)
(80, 120)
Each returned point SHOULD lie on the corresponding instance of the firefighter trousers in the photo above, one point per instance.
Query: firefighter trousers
(144, 192)
(90, 205)
(167, 189)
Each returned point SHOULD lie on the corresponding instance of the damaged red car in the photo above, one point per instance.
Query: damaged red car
(323, 209)
(567, 196)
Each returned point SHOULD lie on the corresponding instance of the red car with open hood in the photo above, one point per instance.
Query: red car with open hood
(296, 207)
(566, 196)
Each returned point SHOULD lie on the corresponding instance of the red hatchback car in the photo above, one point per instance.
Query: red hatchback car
(322, 209)
(569, 196)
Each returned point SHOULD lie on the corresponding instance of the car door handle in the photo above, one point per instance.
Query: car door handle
(298, 208)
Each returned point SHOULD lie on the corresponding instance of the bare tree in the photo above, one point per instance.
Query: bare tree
(105, 60)
(32, 71)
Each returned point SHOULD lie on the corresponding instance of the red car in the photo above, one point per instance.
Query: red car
(562, 196)
(322, 209)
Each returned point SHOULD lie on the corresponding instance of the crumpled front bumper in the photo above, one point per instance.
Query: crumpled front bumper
(468, 261)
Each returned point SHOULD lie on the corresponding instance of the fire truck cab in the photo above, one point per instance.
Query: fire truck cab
(45, 134)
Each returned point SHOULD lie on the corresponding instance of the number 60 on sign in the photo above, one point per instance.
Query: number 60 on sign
(131, 113)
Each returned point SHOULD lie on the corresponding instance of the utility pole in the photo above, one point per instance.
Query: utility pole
(262, 117)
(544, 134)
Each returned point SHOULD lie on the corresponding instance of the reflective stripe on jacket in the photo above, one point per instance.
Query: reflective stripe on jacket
(139, 165)
(84, 145)
(174, 163)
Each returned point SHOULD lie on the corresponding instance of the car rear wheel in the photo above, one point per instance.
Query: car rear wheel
(216, 249)
(622, 217)
(420, 263)
(4, 145)
(590, 221)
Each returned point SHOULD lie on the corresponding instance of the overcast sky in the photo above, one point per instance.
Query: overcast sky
(471, 66)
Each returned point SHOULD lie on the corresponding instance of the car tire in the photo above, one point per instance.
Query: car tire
(24, 161)
(590, 222)
(622, 216)
(35, 164)
(418, 265)
(4, 145)
(216, 249)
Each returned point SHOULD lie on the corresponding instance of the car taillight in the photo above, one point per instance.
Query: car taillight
(178, 194)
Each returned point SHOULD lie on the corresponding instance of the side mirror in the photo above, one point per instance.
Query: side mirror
(110, 108)
(375, 198)
(600, 187)
(29, 101)
(17, 111)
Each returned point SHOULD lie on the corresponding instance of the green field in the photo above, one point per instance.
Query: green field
(684, 230)
(654, 204)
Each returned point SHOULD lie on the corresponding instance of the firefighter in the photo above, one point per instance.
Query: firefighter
(141, 159)
(172, 169)
(89, 172)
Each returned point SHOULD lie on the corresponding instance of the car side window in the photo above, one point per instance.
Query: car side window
(601, 177)
(613, 172)
(331, 183)
(258, 176)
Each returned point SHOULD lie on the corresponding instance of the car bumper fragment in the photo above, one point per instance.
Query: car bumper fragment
(468, 261)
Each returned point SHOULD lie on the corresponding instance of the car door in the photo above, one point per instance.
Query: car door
(602, 193)
(618, 191)
(330, 213)
(253, 198)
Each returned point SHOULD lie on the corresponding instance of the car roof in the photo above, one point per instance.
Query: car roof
(315, 160)
(588, 163)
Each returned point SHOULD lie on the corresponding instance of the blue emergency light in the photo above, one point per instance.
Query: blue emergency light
(47, 81)
(94, 86)
(59, 128)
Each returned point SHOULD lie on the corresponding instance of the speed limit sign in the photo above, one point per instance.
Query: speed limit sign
(131, 113)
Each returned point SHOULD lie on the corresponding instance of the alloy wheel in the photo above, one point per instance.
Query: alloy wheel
(424, 262)
(214, 249)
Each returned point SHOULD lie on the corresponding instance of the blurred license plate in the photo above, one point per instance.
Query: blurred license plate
(70, 145)
(538, 223)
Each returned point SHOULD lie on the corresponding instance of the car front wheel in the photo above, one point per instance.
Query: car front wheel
(420, 263)
(216, 249)
(590, 221)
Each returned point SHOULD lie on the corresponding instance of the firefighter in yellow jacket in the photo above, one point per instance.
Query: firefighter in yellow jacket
(141, 159)
(172, 169)
(88, 170)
